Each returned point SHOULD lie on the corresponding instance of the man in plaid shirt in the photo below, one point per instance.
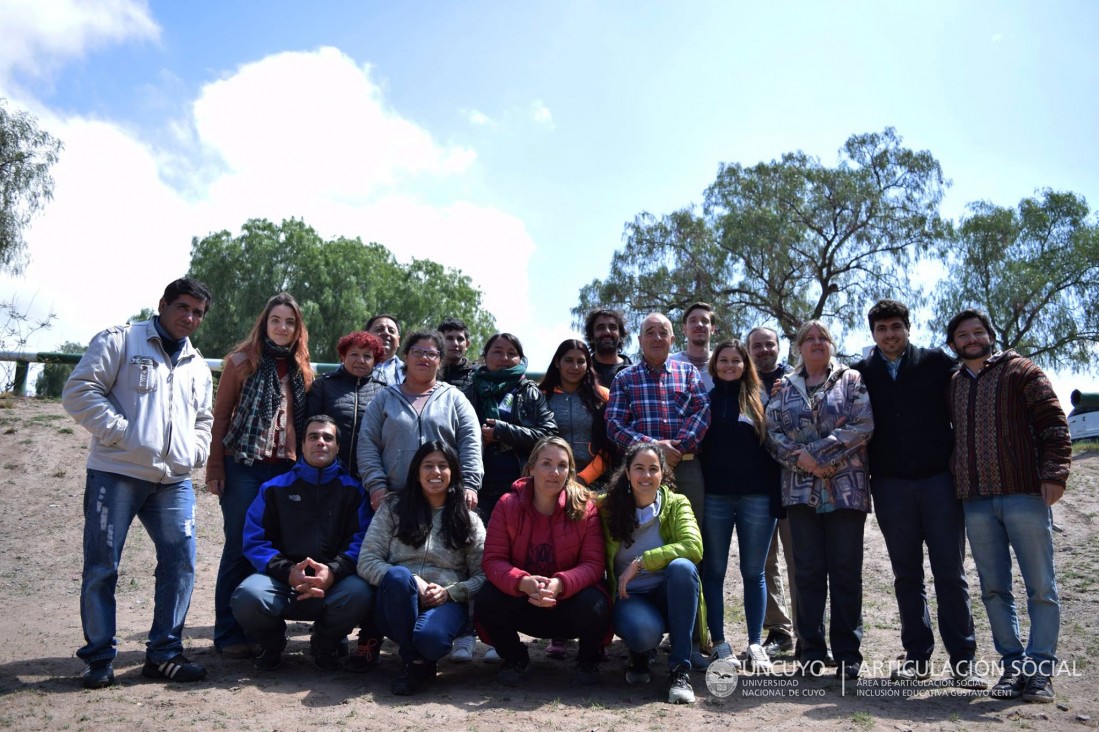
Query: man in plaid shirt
(663, 401)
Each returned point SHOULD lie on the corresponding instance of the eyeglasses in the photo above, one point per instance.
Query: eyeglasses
(423, 353)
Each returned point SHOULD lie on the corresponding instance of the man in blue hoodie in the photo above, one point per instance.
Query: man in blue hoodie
(302, 533)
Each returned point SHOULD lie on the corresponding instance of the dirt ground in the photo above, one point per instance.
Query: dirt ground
(42, 454)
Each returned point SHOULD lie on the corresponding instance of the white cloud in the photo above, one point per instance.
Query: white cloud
(478, 118)
(304, 135)
(41, 34)
(540, 113)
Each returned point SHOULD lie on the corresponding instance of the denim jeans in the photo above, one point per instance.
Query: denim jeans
(642, 618)
(167, 510)
(912, 513)
(751, 517)
(426, 633)
(242, 483)
(262, 604)
(997, 525)
(828, 563)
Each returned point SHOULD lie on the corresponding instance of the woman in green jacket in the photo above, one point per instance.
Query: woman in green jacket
(653, 549)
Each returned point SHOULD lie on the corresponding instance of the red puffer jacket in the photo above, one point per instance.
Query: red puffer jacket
(577, 545)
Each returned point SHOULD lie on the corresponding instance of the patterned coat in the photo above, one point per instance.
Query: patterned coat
(834, 425)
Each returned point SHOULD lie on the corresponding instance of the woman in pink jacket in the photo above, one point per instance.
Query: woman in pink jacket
(544, 563)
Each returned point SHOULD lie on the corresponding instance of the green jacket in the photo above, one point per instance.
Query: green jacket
(682, 539)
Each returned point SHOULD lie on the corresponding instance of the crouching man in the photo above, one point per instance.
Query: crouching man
(302, 534)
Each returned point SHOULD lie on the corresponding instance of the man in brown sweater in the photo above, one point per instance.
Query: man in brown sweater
(1010, 464)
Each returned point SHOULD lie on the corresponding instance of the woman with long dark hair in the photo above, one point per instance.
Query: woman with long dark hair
(653, 546)
(577, 402)
(423, 552)
(259, 412)
(513, 416)
(742, 493)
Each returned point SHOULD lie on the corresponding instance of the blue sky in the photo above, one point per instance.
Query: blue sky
(512, 140)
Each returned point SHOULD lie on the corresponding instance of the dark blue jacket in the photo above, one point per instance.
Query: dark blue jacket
(307, 512)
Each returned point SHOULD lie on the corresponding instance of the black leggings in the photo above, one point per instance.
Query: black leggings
(501, 617)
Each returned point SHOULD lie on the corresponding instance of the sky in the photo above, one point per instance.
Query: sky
(511, 140)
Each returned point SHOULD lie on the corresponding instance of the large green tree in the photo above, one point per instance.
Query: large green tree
(26, 155)
(1035, 270)
(51, 379)
(339, 284)
(784, 241)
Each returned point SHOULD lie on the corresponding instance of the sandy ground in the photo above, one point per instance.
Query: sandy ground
(42, 454)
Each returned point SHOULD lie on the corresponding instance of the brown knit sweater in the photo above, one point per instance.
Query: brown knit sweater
(1010, 433)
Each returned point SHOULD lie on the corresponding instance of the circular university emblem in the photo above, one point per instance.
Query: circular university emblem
(721, 678)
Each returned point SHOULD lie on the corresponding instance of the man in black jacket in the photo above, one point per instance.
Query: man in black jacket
(302, 534)
(914, 493)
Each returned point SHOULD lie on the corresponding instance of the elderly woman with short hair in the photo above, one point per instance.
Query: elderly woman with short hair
(819, 424)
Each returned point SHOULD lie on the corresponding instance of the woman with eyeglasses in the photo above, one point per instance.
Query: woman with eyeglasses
(420, 409)
(512, 413)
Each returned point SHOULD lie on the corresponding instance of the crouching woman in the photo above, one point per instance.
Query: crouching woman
(544, 564)
(653, 548)
(423, 553)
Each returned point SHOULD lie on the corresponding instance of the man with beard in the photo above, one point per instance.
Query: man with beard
(1011, 460)
(914, 495)
(763, 350)
(605, 331)
(698, 324)
(384, 326)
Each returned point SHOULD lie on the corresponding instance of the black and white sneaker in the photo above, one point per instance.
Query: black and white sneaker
(680, 690)
(177, 668)
(1010, 685)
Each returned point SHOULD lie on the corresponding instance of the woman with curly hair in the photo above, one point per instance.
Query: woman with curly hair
(258, 414)
(653, 546)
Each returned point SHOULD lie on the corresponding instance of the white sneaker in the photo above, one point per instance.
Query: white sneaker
(755, 659)
(461, 651)
(491, 656)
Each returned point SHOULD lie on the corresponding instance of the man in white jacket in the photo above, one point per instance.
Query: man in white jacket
(145, 394)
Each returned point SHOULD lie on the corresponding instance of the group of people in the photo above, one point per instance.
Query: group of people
(416, 495)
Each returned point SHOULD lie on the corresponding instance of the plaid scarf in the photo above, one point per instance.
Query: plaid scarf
(260, 398)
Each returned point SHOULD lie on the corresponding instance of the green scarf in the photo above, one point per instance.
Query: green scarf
(491, 386)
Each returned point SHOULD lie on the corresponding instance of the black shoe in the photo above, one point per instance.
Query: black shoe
(326, 659)
(586, 674)
(512, 672)
(680, 690)
(911, 670)
(177, 668)
(966, 677)
(637, 670)
(1039, 689)
(1010, 685)
(365, 656)
(413, 677)
(98, 675)
(849, 671)
(267, 660)
(778, 643)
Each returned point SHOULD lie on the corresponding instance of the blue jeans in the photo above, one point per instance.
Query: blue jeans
(1023, 523)
(754, 524)
(167, 510)
(242, 483)
(262, 604)
(420, 633)
(912, 513)
(642, 619)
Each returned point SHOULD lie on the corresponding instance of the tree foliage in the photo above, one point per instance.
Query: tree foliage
(26, 156)
(51, 379)
(787, 240)
(339, 284)
(1035, 270)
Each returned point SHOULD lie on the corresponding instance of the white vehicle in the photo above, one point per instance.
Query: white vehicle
(1083, 420)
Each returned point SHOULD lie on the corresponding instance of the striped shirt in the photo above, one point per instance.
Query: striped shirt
(665, 403)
